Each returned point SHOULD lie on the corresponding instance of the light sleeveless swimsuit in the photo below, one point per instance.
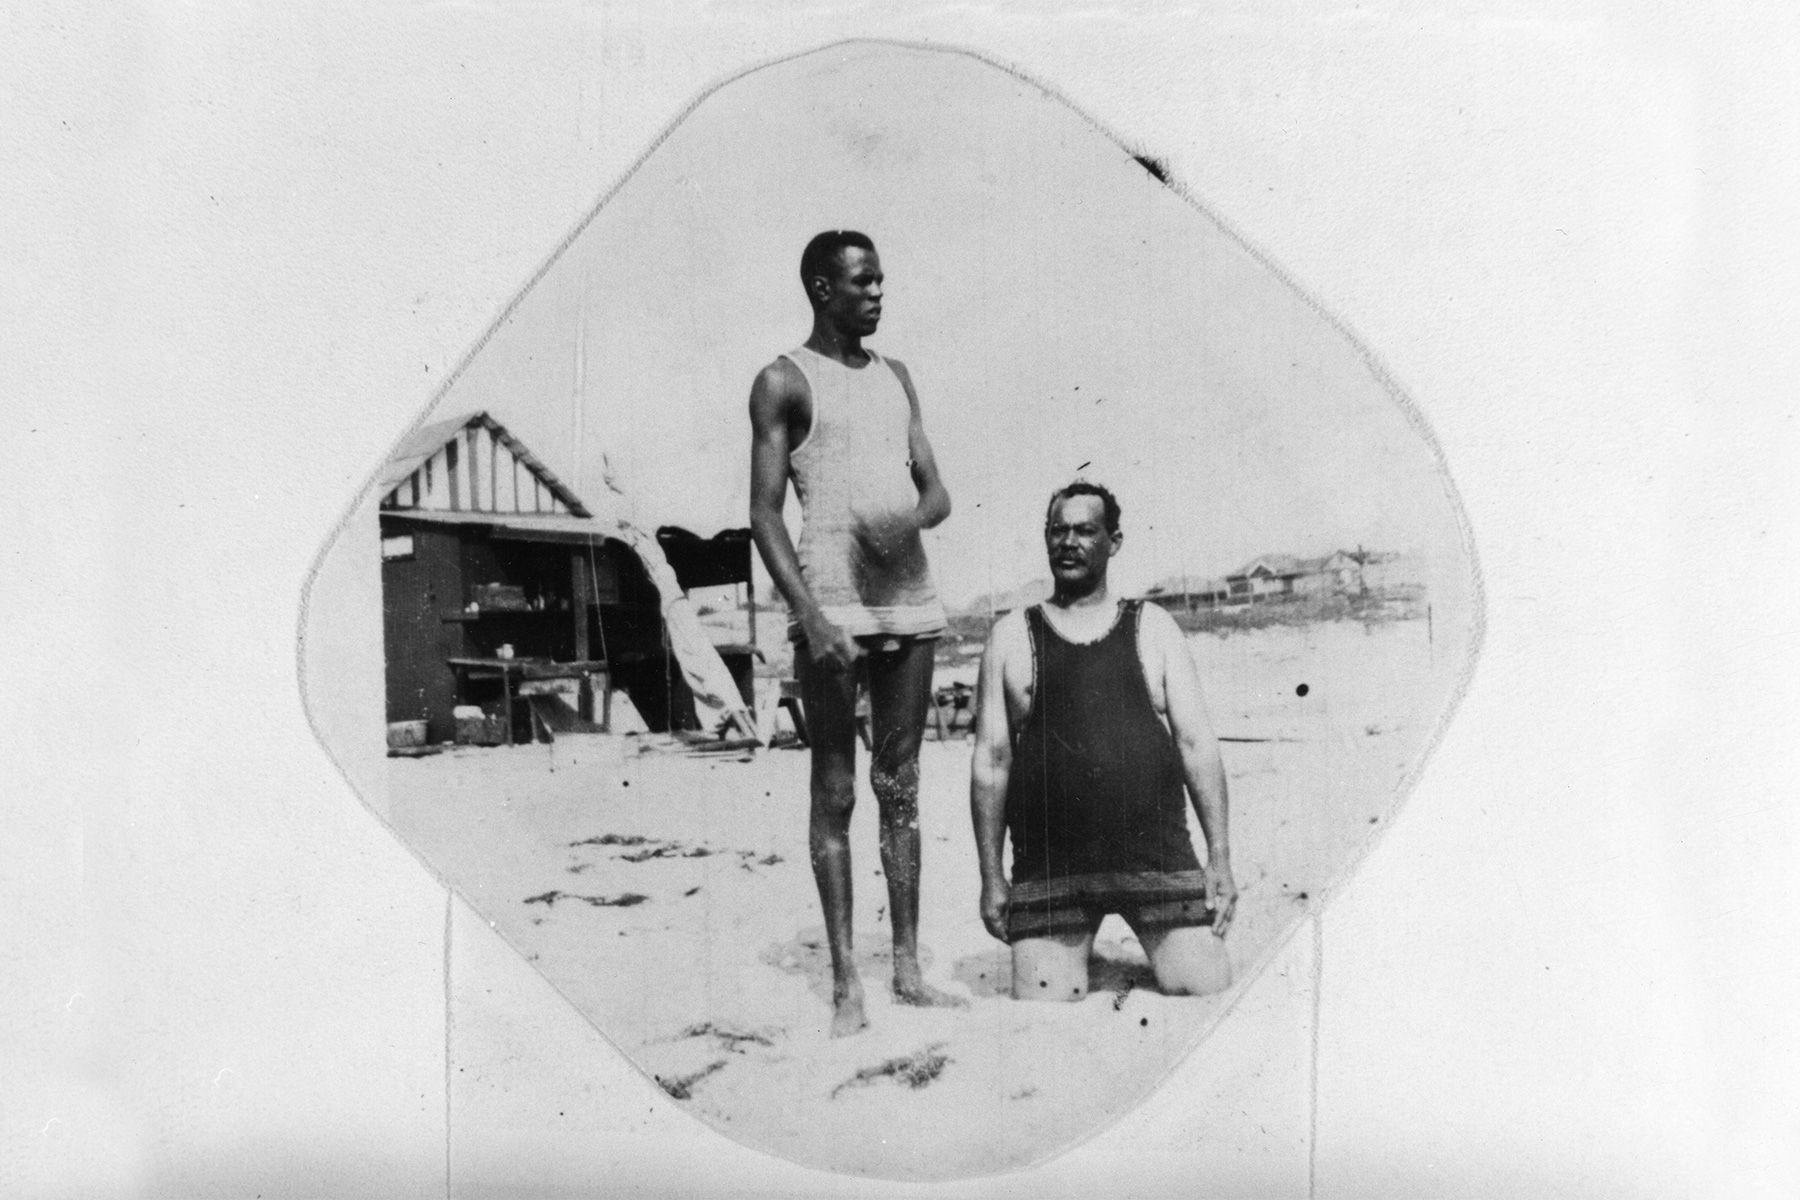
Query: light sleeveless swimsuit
(853, 473)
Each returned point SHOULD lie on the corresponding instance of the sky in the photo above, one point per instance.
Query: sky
(1061, 310)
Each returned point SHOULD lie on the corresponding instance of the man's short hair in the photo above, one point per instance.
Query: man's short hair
(821, 254)
(1082, 487)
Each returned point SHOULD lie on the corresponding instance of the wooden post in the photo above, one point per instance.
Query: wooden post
(578, 605)
(474, 432)
(750, 587)
(450, 473)
(506, 699)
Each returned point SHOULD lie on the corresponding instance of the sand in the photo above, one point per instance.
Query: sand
(668, 896)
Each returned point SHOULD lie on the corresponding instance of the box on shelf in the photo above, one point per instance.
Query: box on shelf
(475, 726)
(499, 597)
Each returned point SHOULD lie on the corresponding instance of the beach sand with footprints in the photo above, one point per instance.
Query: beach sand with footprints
(667, 895)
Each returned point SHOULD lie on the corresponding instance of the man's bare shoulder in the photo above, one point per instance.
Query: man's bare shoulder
(778, 388)
(783, 376)
(1155, 622)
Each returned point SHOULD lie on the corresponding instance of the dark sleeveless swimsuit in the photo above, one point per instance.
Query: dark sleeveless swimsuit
(1096, 805)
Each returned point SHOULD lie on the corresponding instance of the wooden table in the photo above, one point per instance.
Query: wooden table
(513, 671)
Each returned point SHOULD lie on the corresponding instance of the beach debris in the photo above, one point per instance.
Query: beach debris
(915, 1070)
(650, 852)
(622, 900)
(667, 850)
(647, 848)
(690, 891)
(681, 1087)
(612, 839)
(730, 1037)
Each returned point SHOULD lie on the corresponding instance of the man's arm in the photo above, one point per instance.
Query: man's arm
(771, 399)
(934, 498)
(991, 768)
(1201, 764)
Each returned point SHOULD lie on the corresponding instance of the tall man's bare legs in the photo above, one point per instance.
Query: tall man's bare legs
(899, 691)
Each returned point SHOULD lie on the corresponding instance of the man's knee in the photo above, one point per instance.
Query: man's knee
(1047, 969)
(895, 747)
(834, 795)
(1190, 961)
(896, 788)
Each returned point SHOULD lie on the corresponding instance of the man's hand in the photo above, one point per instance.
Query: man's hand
(828, 646)
(994, 894)
(1221, 895)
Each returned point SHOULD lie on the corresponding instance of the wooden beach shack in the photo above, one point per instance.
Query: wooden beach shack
(498, 585)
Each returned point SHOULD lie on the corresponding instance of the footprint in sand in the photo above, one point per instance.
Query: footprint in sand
(808, 957)
(1112, 967)
(986, 975)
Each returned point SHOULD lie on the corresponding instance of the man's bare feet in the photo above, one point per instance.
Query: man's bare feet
(911, 988)
(847, 1016)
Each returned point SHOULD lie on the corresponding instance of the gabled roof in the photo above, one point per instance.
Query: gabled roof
(1269, 564)
(1281, 565)
(417, 453)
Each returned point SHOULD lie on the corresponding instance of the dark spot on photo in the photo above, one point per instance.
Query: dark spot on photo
(1301, 690)
(1157, 168)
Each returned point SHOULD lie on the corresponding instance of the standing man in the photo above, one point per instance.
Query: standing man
(1090, 735)
(842, 423)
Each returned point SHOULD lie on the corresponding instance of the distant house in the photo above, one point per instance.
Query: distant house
(1338, 573)
(1283, 576)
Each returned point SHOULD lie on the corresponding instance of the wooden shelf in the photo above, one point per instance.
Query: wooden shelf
(565, 614)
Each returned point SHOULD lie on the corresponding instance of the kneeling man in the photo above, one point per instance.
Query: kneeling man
(1090, 736)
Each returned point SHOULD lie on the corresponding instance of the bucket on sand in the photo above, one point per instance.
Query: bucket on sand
(402, 734)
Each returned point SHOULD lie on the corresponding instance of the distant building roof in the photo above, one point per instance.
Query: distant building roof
(409, 482)
(1282, 565)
